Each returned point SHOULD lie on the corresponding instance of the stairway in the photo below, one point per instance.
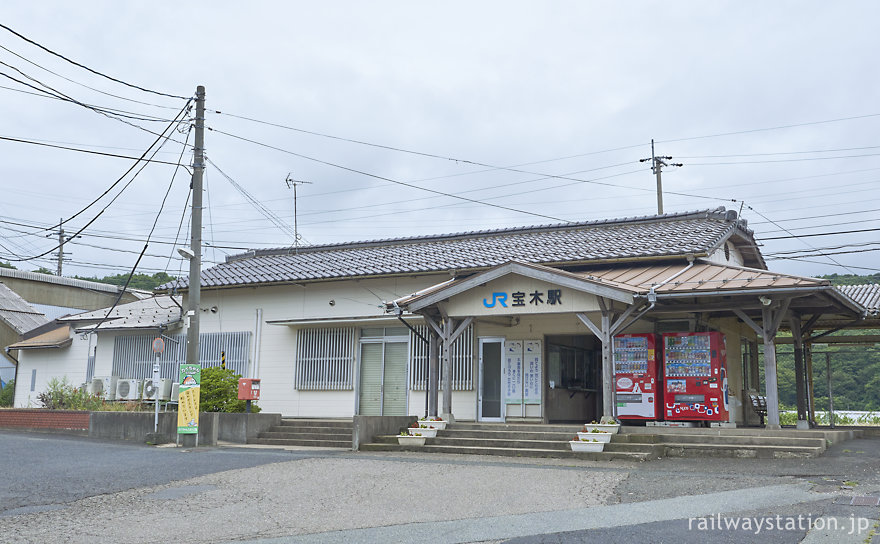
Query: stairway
(517, 440)
(319, 433)
(632, 443)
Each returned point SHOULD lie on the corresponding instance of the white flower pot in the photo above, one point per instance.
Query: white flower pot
(603, 437)
(440, 425)
(578, 445)
(427, 433)
(602, 427)
(410, 440)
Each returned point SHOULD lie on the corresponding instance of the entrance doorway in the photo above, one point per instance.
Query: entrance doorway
(383, 373)
(489, 402)
(574, 379)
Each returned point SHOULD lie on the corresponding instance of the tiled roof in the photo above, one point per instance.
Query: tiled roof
(142, 314)
(629, 239)
(702, 277)
(17, 313)
(867, 295)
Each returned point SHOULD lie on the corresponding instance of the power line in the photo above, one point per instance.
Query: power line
(83, 84)
(84, 67)
(102, 153)
(821, 234)
(375, 176)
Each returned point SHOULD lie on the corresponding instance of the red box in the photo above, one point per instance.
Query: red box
(695, 376)
(638, 376)
(248, 389)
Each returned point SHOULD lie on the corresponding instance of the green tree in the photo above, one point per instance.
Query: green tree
(219, 392)
(7, 395)
(44, 270)
(6, 265)
(138, 281)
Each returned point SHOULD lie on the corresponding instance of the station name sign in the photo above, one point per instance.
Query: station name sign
(522, 299)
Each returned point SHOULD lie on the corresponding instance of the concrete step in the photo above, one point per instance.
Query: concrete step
(740, 440)
(297, 442)
(297, 422)
(513, 452)
(442, 440)
(742, 451)
(518, 427)
(283, 434)
(503, 434)
(311, 429)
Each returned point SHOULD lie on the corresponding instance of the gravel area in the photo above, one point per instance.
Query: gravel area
(314, 495)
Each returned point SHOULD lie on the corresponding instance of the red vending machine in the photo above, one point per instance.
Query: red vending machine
(637, 376)
(696, 376)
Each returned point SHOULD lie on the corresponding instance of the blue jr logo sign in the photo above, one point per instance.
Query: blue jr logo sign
(497, 298)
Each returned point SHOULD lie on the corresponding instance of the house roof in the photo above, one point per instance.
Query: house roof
(569, 244)
(867, 295)
(69, 282)
(17, 313)
(676, 286)
(151, 313)
(57, 336)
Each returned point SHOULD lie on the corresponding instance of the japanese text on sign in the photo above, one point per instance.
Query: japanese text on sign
(551, 297)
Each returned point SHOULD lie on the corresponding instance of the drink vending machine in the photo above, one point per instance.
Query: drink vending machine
(695, 376)
(637, 376)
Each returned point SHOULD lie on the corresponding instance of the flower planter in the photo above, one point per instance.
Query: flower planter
(579, 445)
(440, 425)
(427, 433)
(611, 428)
(604, 437)
(410, 440)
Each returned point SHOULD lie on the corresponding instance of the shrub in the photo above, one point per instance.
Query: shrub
(60, 395)
(7, 395)
(219, 392)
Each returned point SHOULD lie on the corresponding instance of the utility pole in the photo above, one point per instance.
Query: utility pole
(293, 183)
(61, 241)
(657, 164)
(195, 262)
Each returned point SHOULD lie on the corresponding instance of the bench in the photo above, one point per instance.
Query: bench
(759, 405)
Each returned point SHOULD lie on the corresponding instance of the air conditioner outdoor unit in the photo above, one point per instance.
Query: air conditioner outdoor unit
(104, 387)
(162, 389)
(175, 392)
(128, 390)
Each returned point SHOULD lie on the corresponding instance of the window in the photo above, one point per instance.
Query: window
(461, 355)
(325, 358)
(133, 356)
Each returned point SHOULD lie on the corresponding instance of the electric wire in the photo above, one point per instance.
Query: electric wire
(84, 67)
(101, 153)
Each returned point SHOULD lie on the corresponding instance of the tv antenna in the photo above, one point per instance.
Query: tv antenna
(292, 183)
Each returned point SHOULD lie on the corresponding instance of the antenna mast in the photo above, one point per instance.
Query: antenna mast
(293, 183)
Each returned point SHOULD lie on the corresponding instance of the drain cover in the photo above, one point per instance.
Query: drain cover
(865, 500)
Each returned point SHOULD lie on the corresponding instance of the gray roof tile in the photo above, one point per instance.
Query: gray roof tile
(570, 243)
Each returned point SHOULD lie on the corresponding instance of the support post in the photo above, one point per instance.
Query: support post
(195, 263)
(830, 398)
(609, 406)
(799, 374)
(770, 377)
(447, 369)
(433, 374)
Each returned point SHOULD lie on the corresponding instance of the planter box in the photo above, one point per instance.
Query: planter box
(440, 425)
(427, 433)
(604, 437)
(577, 445)
(602, 427)
(410, 440)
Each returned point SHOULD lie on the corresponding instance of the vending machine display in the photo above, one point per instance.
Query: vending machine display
(637, 376)
(695, 376)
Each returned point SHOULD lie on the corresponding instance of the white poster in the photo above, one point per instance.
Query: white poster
(533, 362)
(513, 371)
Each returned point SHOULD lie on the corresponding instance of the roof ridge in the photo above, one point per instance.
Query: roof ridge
(720, 212)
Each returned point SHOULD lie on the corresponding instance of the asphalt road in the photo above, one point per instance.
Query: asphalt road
(73, 489)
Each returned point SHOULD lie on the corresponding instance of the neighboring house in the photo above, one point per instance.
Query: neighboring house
(16, 318)
(338, 330)
(67, 347)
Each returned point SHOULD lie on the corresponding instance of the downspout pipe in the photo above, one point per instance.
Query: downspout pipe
(15, 378)
(398, 312)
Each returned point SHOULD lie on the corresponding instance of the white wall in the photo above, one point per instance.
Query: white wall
(67, 362)
(237, 311)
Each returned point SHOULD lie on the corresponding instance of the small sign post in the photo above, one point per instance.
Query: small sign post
(158, 348)
(188, 400)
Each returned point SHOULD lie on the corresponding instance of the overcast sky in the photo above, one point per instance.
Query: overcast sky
(771, 107)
